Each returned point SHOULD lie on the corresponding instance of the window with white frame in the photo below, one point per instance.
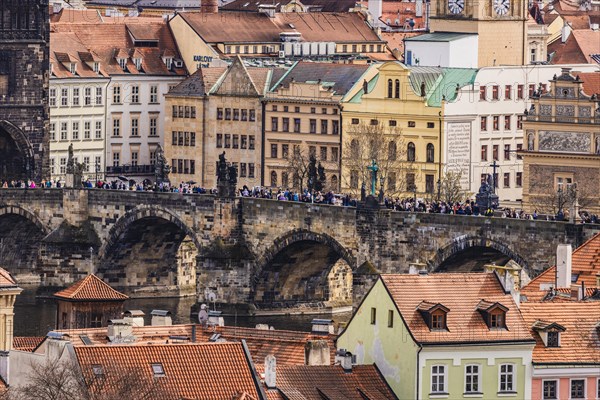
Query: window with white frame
(87, 98)
(76, 96)
(64, 129)
(97, 163)
(52, 131)
(577, 388)
(75, 130)
(116, 159)
(472, 378)
(116, 127)
(135, 94)
(438, 379)
(99, 96)
(98, 133)
(63, 165)
(116, 94)
(52, 165)
(135, 123)
(52, 97)
(134, 157)
(86, 163)
(507, 378)
(87, 129)
(550, 390)
(153, 126)
(154, 94)
(64, 97)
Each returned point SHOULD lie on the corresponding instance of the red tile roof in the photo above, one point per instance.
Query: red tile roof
(578, 49)
(398, 12)
(27, 343)
(206, 371)
(579, 343)
(460, 293)
(305, 382)
(70, 16)
(91, 288)
(585, 263)
(6, 278)
(591, 81)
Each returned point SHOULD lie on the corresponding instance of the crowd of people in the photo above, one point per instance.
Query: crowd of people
(468, 207)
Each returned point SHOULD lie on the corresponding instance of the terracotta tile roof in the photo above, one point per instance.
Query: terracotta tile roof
(77, 16)
(27, 343)
(330, 382)
(241, 27)
(395, 40)
(585, 263)
(327, 5)
(6, 278)
(591, 81)
(460, 293)
(578, 49)
(110, 38)
(210, 371)
(91, 288)
(398, 12)
(578, 21)
(579, 343)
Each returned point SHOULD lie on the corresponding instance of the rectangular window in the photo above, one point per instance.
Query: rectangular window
(274, 150)
(180, 138)
(135, 123)
(153, 94)
(251, 142)
(519, 92)
(296, 109)
(243, 170)
(495, 151)
(495, 92)
(496, 123)
(236, 141)
(52, 128)
(87, 130)
(323, 111)
(412, 124)
(274, 124)
(429, 183)
(116, 159)
(219, 113)
(507, 92)
(552, 340)
(313, 126)
(186, 112)
(334, 154)
(219, 140)
(324, 124)
(75, 131)
(64, 97)
(484, 152)
(390, 318)
(431, 125)
(507, 151)
(519, 179)
(251, 169)
(577, 388)
(227, 141)
(323, 153)
(98, 133)
(252, 115)
(193, 139)
(116, 94)
(236, 114)
(519, 122)
(507, 378)
(374, 122)
(472, 379)
(296, 125)
(438, 321)
(76, 96)
(550, 390)
(392, 122)
(355, 121)
(373, 315)
(483, 124)
(63, 165)
(134, 158)
(531, 90)
(313, 110)
(506, 181)
(99, 96)
(335, 127)
(519, 148)
(64, 129)
(244, 115)
(186, 138)
(244, 142)
(174, 138)
(87, 97)
(116, 127)
(52, 166)
(52, 97)
(228, 114)
(507, 122)
(285, 150)
(438, 379)
(482, 93)
(135, 94)
(312, 151)
(285, 124)
(153, 126)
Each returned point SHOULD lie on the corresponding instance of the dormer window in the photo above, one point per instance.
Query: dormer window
(138, 63)
(169, 62)
(434, 315)
(122, 63)
(494, 314)
(73, 68)
(549, 332)
(96, 67)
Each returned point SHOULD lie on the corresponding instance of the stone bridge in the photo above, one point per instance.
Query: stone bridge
(245, 249)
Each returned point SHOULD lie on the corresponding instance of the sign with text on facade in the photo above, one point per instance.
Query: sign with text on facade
(458, 139)
(203, 61)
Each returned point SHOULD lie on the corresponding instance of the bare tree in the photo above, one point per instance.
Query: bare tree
(364, 143)
(548, 199)
(451, 189)
(298, 164)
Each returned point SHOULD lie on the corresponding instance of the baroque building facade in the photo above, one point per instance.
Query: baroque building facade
(24, 41)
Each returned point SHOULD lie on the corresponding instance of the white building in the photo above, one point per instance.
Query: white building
(483, 125)
(442, 49)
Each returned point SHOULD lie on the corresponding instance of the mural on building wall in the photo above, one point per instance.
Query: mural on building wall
(459, 153)
(573, 142)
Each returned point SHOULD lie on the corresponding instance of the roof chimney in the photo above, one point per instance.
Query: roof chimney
(316, 352)
(577, 292)
(344, 358)
(322, 326)
(565, 32)
(270, 371)
(598, 280)
(563, 266)
(161, 318)
(134, 317)
(119, 329)
(267, 9)
(215, 318)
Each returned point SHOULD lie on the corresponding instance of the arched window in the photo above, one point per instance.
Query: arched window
(430, 153)
(397, 94)
(390, 88)
(392, 151)
(354, 148)
(410, 152)
(334, 183)
(273, 179)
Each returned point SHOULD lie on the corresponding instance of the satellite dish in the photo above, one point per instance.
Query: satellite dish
(211, 296)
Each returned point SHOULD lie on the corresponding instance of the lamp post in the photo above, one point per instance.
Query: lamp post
(439, 189)
(560, 199)
(97, 169)
(26, 174)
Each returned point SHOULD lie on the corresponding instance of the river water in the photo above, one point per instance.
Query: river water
(36, 316)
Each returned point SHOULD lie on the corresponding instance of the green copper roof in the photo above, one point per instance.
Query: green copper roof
(439, 37)
(358, 96)
(440, 83)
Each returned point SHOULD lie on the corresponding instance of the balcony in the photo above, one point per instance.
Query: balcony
(130, 170)
(562, 120)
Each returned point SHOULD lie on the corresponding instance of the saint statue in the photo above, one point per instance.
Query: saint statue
(161, 168)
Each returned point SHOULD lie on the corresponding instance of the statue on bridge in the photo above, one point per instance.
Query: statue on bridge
(486, 198)
(373, 168)
(226, 177)
(161, 168)
(74, 170)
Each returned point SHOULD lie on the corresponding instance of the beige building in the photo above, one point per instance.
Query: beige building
(303, 117)
(216, 110)
(562, 138)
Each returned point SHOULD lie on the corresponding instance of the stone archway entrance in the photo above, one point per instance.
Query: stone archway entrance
(15, 153)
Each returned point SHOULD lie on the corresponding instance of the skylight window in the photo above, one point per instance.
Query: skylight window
(98, 370)
(158, 370)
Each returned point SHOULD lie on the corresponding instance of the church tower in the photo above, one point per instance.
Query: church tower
(500, 25)
(24, 80)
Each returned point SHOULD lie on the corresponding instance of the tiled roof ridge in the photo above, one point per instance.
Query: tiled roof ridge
(165, 345)
(77, 287)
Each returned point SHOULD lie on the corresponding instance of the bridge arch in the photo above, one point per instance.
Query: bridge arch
(464, 243)
(24, 213)
(150, 251)
(16, 152)
(303, 266)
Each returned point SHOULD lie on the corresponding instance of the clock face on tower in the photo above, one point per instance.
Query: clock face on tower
(456, 6)
(501, 7)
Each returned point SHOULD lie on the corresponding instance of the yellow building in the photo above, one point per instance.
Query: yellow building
(302, 117)
(499, 24)
(387, 120)
(562, 137)
(216, 110)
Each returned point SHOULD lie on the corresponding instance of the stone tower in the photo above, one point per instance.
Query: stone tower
(8, 294)
(24, 80)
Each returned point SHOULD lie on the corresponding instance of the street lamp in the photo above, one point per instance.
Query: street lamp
(26, 174)
(97, 168)
(560, 199)
(439, 188)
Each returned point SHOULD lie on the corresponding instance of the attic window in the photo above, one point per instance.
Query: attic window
(73, 68)
(553, 339)
(549, 332)
(169, 62)
(96, 67)
(122, 63)
(434, 315)
(438, 320)
(138, 63)
(98, 370)
(497, 319)
(494, 314)
(158, 370)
